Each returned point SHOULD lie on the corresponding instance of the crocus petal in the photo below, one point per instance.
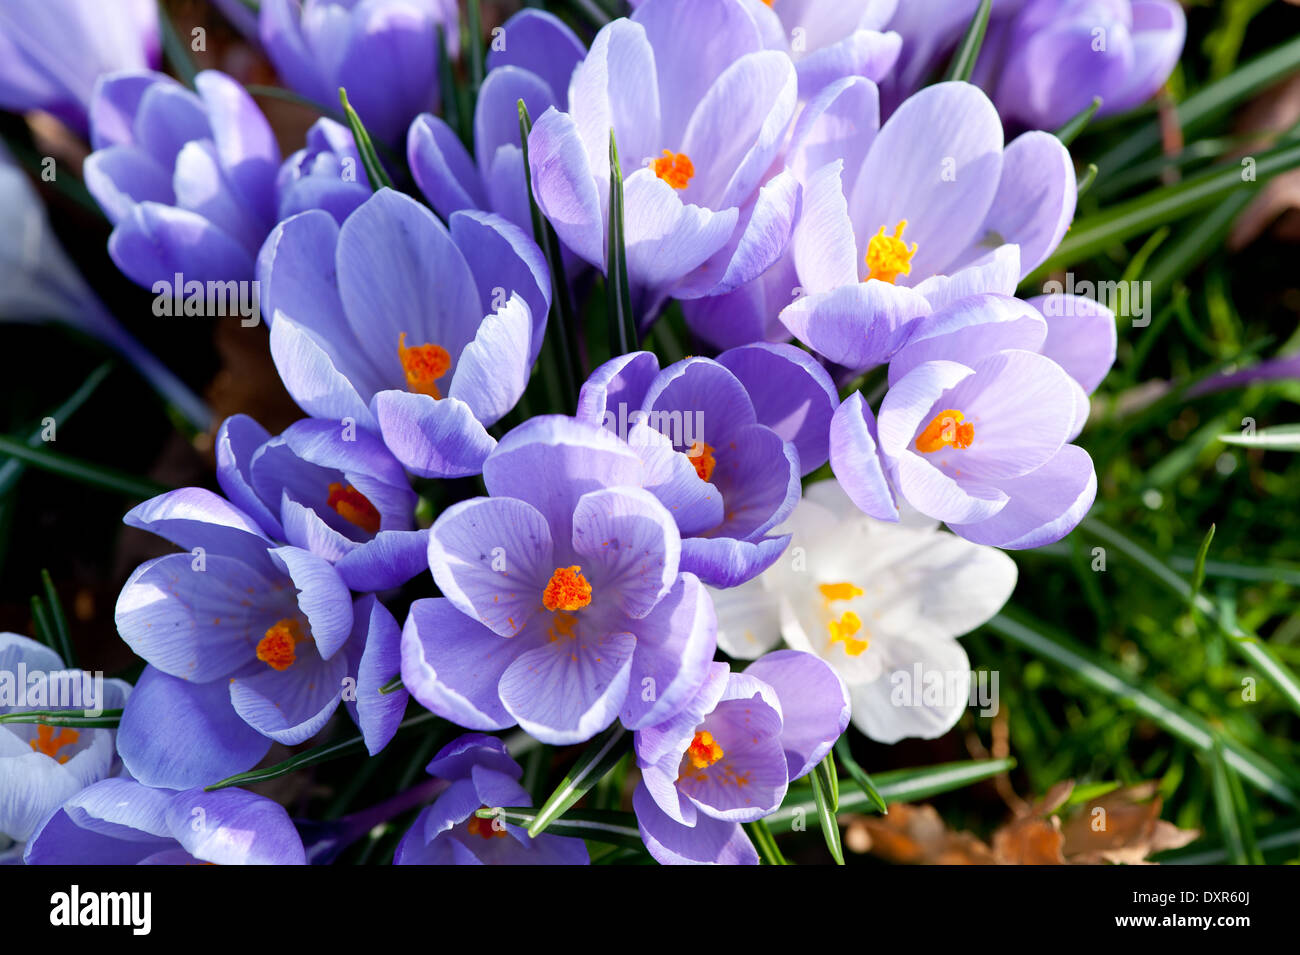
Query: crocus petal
(838, 125)
(243, 137)
(237, 439)
(389, 560)
(971, 328)
(156, 241)
(858, 325)
(822, 247)
(505, 261)
(1080, 336)
(616, 389)
(630, 545)
(291, 706)
(494, 368)
(378, 714)
(540, 43)
(1159, 30)
(193, 517)
(234, 827)
(997, 272)
(322, 596)
(121, 176)
(726, 562)
(866, 53)
(674, 648)
(855, 459)
(886, 714)
(113, 822)
(709, 842)
(311, 375)
(443, 167)
(564, 185)
(1035, 199)
(432, 437)
(665, 237)
(814, 705)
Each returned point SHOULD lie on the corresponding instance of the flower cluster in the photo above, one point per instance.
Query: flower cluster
(493, 515)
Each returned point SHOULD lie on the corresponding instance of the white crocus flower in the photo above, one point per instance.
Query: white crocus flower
(874, 600)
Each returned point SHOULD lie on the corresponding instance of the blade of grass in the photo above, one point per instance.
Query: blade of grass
(622, 324)
(963, 60)
(174, 48)
(1076, 123)
(827, 806)
(108, 718)
(108, 479)
(765, 843)
(859, 775)
(1198, 573)
(599, 758)
(375, 171)
(599, 825)
(58, 621)
(1087, 179)
(1284, 437)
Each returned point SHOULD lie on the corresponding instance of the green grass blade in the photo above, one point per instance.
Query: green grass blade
(765, 843)
(1198, 573)
(1283, 437)
(968, 51)
(622, 324)
(375, 171)
(599, 758)
(598, 825)
(174, 48)
(108, 479)
(58, 622)
(859, 775)
(1087, 179)
(108, 718)
(1076, 123)
(826, 810)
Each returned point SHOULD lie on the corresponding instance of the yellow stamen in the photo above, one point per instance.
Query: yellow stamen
(704, 750)
(567, 590)
(888, 255)
(353, 506)
(701, 458)
(423, 365)
(947, 430)
(277, 648)
(676, 169)
(49, 742)
(839, 591)
(842, 631)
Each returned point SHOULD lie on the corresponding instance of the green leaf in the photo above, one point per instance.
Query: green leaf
(317, 754)
(1076, 123)
(1198, 574)
(1247, 644)
(600, 757)
(968, 51)
(392, 686)
(108, 479)
(58, 622)
(1088, 178)
(365, 146)
(177, 55)
(1160, 708)
(1283, 437)
(827, 805)
(1233, 811)
(830, 779)
(598, 825)
(1090, 791)
(765, 843)
(859, 775)
(622, 324)
(107, 718)
(474, 40)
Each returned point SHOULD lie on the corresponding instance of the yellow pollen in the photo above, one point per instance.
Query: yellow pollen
(353, 506)
(49, 742)
(704, 751)
(567, 590)
(701, 458)
(888, 255)
(842, 631)
(949, 429)
(839, 591)
(676, 169)
(484, 827)
(277, 648)
(423, 365)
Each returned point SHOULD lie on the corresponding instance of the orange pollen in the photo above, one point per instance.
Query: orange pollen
(949, 429)
(423, 365)
(888, 255)
(703, 751)
(484, 827)
(567, 590)
(676, 169)
(839, 591)
(842, 631)
(49, 742)
(701, 458)
(352, 505)
(276, 649)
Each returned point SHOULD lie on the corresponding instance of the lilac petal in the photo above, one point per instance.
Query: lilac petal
(1080, 336)
(541, 43)
(877, 711)
(998, 272)
(307, 529)
(792, 394)
(630, 546)
(908, 403)
(390, 66)
(866, 53)
(291, 706)
(192, 517)
(823, 247)
(461, 755)
(322, 597)
(496, 112)
(378, 714)
(1041, 77)
(389, 560)
(1044, 505)
(564, 185)
(709, 842)
(664, 742)
(15, 649)
(670, 475)
(568, 690)
(726, 562)
(312, 376)
(616, 389)
(203, 186)
(858, 325)
(443, 167)
(492, 557)
(550, 461)
(749, 732)
(116, 103)
(113, 822)
(814, 705)
(121, 176)
(1035, 199)
(855, 459)
(195, 624)
(234, 827)
(237, 439)
(749, 314)
(244, 140)
(935, 494)
(494, 368)
(505, 260)
(698, 399)
(970, 329)
(281, 34)
(452, 664)
(432, 437)
(1159, 30)
(175, 734)
(758, 475)
(666, 238)
(839, 125)
(675, 643)
(156, 241)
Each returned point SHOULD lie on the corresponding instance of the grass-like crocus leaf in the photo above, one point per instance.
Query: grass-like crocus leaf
(598, 825)
(1233, 811)
(1283, 437)
(968, 51)
(60, 636)
(107, 718)
(174, 48)
(375, 171)
(600, 757)
(1076, 123)
(824, 793)
(1087, 179)
(474, 45)
(859, 775)
(109, 479)
(765, 843)
(622, 324)
(1198, 572)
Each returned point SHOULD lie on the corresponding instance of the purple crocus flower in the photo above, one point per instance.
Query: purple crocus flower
(381, 322)
(901, 221)
(564, 605)
(52, 51)
(122, 822)
(480, 774)
(533, 63)
(729, 755)
(741, 430)
(40, 766)
(325, 174)
(384, 52)
(188, 179)
(247, 643)
(975, 429)
(330, 489)
(699, 107)
(1046, 63)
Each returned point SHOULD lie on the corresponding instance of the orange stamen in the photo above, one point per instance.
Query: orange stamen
(704, 750)
(423, 365)
(567, 590)
(949, 429)
(353, 506)
(277, 648)
(701, 458)
(484, 827)
(676, 169)
(49, 742)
